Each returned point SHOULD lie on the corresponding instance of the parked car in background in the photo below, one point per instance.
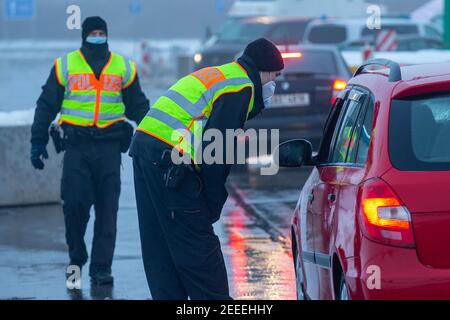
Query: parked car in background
(307, 8)
(305, 91)
(373, 217)
(342, 32)
(238, 32)
(404, 43)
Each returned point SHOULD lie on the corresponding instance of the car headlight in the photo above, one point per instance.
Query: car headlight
(198, 57)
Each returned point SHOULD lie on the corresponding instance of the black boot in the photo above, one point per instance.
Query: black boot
(102, 278)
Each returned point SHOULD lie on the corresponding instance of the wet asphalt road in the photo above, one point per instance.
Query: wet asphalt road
(270, 199)
(253, 231)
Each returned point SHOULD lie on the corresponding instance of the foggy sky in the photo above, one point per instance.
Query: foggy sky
(158, 19)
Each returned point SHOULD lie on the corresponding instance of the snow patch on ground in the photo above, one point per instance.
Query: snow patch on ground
(29, 49)
(16, 118)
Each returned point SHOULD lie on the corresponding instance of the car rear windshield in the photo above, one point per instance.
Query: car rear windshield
(419, 133)
(327, 34)
(290, 32)
(312, 62)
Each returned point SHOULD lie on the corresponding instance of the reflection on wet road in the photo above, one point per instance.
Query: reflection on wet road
(33, 252)
(259, 267)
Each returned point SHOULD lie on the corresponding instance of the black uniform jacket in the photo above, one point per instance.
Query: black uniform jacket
(228, 112)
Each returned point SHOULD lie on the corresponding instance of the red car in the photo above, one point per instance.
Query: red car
(373, 218)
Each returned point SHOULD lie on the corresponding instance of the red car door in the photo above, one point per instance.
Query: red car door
(313, 193)
(354, 173)
(327, 193)
(310, 204)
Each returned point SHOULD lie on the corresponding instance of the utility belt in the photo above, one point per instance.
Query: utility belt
(179, 176)
(72, 135)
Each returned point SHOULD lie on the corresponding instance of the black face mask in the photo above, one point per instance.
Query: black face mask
(95, 52)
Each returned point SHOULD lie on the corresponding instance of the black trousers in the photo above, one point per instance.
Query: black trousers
(91, 176)
(181, 253)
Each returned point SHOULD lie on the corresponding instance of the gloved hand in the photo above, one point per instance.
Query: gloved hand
(38, 152)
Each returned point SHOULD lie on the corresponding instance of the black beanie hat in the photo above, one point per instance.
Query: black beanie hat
(265, 55)
(93, 23)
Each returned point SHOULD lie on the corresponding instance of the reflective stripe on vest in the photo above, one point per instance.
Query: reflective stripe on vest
(180, 116)
(87, 114)
(88, 101)
(347, 144)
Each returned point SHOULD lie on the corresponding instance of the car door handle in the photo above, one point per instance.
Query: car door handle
(332, 197)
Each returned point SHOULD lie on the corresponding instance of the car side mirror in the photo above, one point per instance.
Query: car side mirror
(294, 153)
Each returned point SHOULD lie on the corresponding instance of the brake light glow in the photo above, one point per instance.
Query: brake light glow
(291, 55)
(383, 217)
(384, 212)
(339, 85)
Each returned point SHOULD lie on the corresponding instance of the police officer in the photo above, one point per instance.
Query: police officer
(178, 203)
(93, 90)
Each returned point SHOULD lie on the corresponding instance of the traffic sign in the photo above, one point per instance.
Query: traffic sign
(19, 9)
(386, 40)
(220, 5)
(135, 7)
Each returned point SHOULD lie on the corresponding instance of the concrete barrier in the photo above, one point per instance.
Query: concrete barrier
(20, 183)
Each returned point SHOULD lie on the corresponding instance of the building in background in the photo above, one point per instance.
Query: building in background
(152, 19)
(128, 19)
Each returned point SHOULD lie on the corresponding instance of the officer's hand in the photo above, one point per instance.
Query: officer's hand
(38, 153)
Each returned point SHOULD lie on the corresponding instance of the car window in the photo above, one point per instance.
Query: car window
(432, 32)
(419, 131)
(242, 32)
(343, 142)
(362, 135)
(357, 45)
(312, 61)
(327, 34)
(329, 128)
(415, 44)
(287, 32)
(434, 44)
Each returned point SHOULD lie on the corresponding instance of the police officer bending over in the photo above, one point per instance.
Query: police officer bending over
(94, 90)
(177, 204)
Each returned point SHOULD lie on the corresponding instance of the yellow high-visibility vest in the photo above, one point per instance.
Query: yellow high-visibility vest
(179, 117)
(89, 101)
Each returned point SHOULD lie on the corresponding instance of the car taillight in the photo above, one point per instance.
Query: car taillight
(383, 217)
(291, 55)
(338, 86)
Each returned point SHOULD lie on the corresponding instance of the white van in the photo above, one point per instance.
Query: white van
(341, 32)
(301, 8)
